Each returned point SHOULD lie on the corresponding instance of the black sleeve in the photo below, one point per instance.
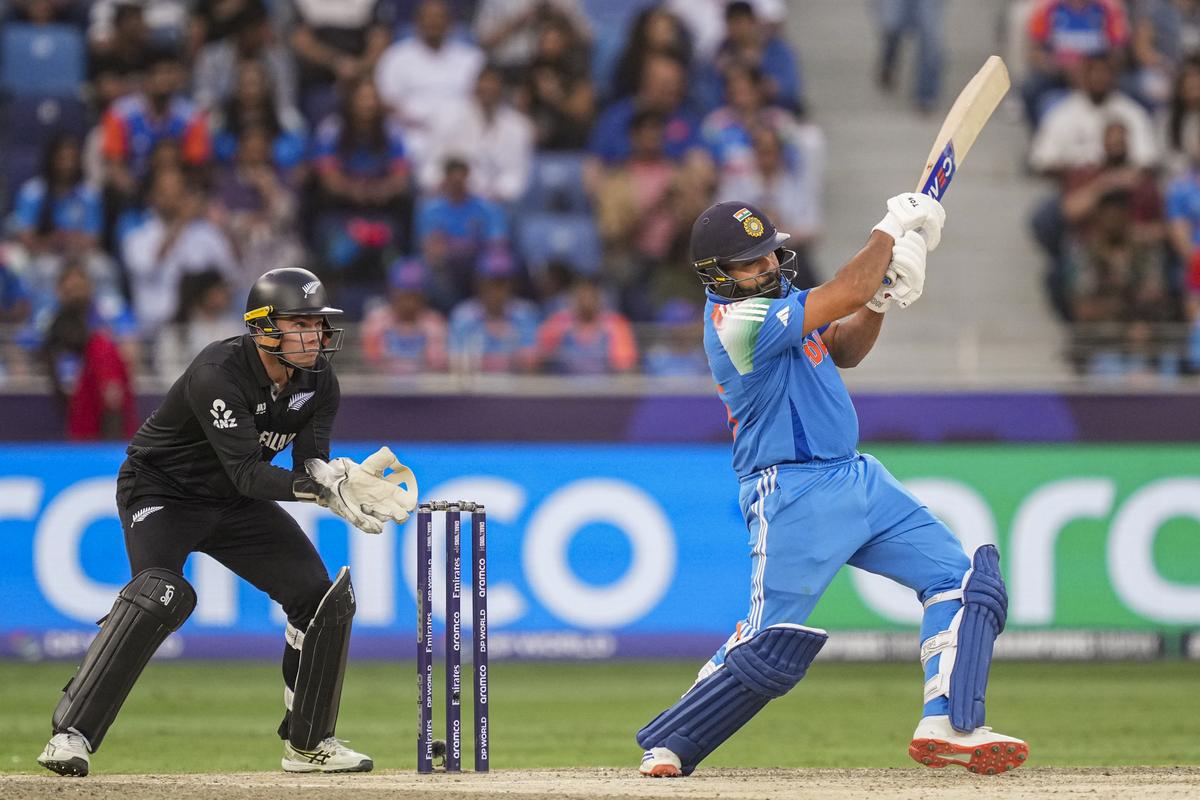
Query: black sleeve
(313, 440)
(225, 418)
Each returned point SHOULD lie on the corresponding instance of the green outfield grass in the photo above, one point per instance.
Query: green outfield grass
(218, 717)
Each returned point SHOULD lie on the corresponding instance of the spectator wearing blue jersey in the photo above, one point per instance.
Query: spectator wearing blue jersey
(57, 212)
(494, 331)
(587, 337)
(254, 103)
(454, 227)
(676, 351)
(405, 336)
(728, 132)
(363, 179)
(748, 41)
(663, 91)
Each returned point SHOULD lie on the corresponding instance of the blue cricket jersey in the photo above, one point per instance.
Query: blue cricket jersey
(784, 396)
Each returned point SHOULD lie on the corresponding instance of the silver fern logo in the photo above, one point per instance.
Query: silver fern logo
(142, 513)
(311, 287)
(298, 400)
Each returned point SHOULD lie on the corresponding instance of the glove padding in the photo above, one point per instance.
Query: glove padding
(904, 281)
(914, 212)
(361, 493)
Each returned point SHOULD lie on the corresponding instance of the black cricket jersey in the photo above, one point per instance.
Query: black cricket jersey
(217, 430)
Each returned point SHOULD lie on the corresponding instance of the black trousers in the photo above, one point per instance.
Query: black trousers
(255, 539)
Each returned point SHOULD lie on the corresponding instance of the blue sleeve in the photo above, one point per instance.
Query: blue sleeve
(27, 206)
(288, 149)
(496, 225)
(610, 137)
(93, 213)
(783, 327)
(426, 220)
(1177, 200)
(780, 64)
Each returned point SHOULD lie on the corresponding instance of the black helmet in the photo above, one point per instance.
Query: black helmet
(732, 233)
(291, 292)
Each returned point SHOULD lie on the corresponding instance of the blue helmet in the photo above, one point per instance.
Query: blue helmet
(732, 233)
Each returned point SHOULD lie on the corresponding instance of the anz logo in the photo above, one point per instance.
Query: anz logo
(275, 441)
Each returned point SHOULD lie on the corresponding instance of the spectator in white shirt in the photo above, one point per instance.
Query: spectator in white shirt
(495, 138)
(419, 74)
(175, 239)
(1071, 134)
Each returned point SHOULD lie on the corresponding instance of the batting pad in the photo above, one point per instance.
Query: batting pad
(756, 670)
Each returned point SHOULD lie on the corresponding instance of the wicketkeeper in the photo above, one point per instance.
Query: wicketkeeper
(198, 478)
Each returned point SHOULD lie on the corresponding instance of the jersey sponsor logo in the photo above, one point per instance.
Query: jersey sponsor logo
(298, 400)
(275, 441)
(311, 287)
(142, 513)
(783, 315)
(222, 416)
(261, 408)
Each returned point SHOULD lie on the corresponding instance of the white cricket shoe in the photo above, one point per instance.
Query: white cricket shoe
(659, 762)
(66, 754)
(936, 743)
(330, 755)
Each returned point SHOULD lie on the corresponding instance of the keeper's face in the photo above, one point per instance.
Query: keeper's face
(300, 338)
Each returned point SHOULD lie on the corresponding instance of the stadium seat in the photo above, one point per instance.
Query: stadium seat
(41, 59)
(569, 238)
(557, 183)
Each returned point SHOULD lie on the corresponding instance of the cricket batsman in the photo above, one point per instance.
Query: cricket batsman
(198, 478)
(812, 502)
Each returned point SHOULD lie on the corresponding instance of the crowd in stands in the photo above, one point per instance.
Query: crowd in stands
(484, 185)
(1111, 91)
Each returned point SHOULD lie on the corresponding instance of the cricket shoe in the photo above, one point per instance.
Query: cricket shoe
(331, 755)
(66, 754)
(659, 762)
(936, 744)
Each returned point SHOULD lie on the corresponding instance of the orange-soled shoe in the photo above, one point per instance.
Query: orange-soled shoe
(982, 751)
(659, 762)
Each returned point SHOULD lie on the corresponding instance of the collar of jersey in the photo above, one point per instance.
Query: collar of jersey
(256, 365)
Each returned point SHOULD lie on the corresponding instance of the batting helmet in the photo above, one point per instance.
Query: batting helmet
(732, 233)
(291, 292)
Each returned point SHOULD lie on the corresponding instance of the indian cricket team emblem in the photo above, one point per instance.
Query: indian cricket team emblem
(752, 224)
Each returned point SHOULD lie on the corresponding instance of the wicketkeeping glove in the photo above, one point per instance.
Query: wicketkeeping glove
(361, 493)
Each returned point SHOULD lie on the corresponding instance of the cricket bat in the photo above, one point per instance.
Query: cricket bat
(966, 119)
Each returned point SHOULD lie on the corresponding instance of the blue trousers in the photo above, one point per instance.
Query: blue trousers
(806, 521)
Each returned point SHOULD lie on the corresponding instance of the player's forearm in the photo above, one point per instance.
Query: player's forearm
(853, 337)
(863, 273)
